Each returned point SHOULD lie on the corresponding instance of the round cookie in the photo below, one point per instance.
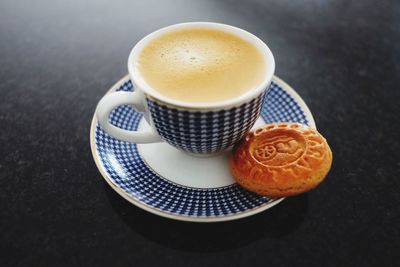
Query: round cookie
(281, 159)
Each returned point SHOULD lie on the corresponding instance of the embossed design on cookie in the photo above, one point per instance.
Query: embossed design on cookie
(278, 150)
(281, 159)
(282, 149)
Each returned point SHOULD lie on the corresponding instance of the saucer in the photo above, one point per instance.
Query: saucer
(170, 183)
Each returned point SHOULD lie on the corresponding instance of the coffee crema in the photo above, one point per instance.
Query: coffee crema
(201, 65)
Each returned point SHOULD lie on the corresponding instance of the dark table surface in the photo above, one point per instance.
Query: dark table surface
(57, 58)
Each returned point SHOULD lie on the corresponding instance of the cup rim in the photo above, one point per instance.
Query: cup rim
(140, 83)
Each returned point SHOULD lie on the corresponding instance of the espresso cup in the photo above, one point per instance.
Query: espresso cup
(197, 128)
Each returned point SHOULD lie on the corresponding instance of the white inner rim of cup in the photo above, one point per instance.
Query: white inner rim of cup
(141, 84)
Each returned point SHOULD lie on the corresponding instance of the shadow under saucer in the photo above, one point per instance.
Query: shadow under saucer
(208, 237)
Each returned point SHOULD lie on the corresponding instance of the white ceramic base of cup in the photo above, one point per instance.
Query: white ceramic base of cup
(187, 169)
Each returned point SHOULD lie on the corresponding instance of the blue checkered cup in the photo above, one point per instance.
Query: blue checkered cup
(197, 128)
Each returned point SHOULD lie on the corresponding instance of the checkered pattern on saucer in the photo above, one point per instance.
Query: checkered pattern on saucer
(204, 132)
(279, 106)
(127, 170)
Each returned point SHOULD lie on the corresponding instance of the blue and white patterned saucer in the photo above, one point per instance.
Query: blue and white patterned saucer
(167, 182)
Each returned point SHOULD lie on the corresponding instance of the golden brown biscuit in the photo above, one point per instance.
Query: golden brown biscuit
(281, 159)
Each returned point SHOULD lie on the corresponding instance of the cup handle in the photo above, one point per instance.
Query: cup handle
(111, 101)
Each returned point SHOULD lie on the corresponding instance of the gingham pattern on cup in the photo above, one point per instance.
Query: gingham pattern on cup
(125, 168)
(204, 132)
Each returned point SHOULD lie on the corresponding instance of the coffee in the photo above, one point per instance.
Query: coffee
(201, 65)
